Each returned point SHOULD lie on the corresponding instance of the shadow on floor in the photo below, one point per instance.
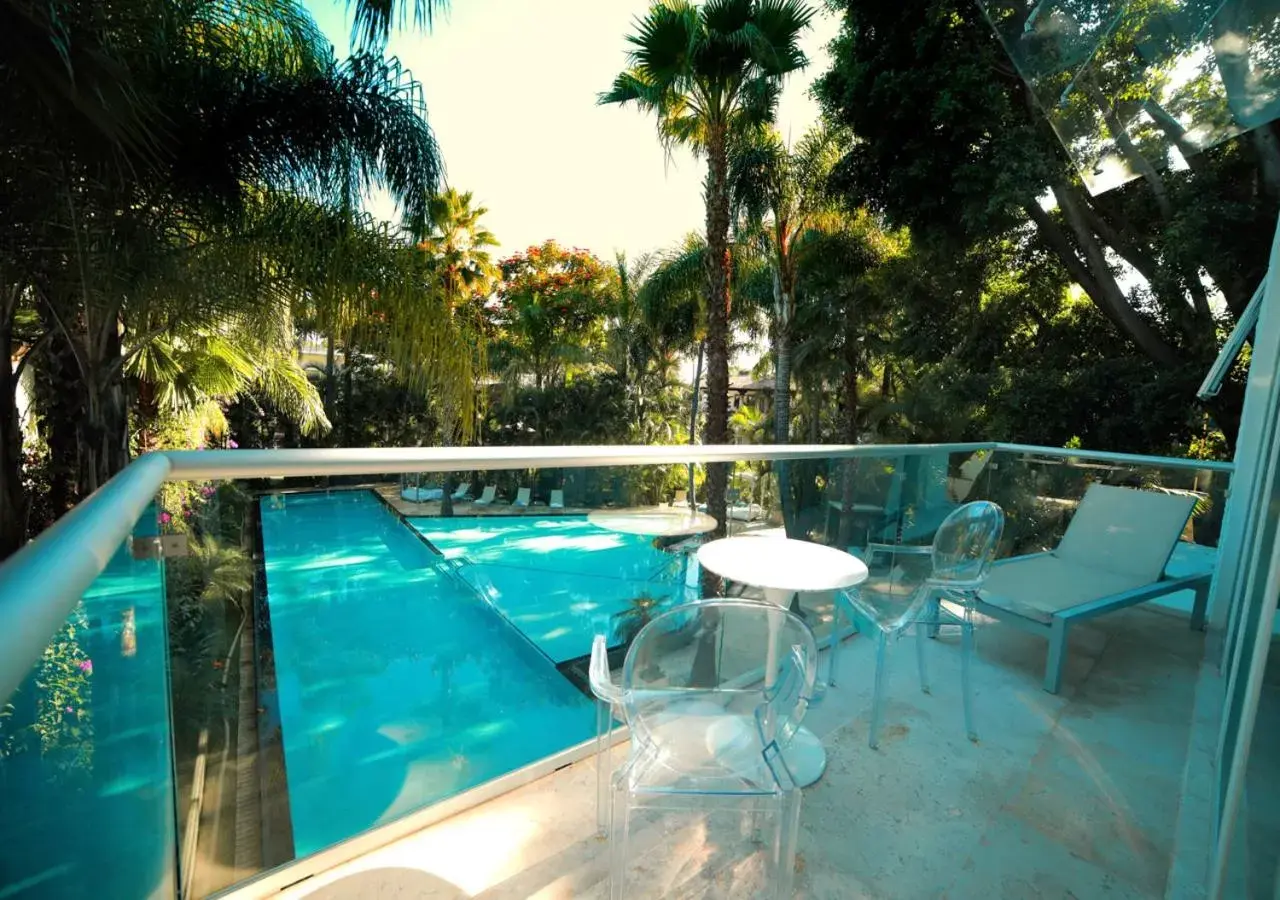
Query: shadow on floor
(401, 883)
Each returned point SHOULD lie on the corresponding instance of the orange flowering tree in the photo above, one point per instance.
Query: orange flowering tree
(549, 311)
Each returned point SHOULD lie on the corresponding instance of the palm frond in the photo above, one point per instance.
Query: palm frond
(374, 19)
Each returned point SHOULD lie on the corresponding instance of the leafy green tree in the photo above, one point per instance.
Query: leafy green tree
(708, 74)
(549, 311)
(973, 170)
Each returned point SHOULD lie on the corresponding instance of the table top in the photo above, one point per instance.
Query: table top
(653, 521)
(782, 563)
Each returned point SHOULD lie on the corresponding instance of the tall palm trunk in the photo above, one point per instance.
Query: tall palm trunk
(852, 363)
(718, 263)
(84, 413)
(782, 393)
(13, 496)
(693, 415)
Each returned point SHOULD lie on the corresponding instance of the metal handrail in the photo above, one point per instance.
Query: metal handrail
(1130, 459)
(41, 584)
(207, 464)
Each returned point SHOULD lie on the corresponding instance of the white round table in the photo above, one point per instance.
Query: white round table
(656, 522)
(653, 521)
(782, 568)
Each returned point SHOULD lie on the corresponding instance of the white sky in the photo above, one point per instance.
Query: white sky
(511, 91)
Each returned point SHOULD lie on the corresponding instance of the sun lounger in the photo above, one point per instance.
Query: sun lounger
(1113, 555)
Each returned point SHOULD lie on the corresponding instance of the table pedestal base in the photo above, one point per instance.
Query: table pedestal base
(805, 757)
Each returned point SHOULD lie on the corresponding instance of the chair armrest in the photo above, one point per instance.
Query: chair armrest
(602, 684)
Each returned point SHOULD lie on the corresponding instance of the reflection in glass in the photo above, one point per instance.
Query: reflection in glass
(1134, 87)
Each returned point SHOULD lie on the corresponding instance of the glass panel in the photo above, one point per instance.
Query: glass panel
(86, 782)
(1253, 865)
(335, 670)
(347, 653)
(1131, 86)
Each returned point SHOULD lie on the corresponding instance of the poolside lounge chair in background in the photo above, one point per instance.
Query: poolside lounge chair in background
(1113, 555)
(682, 498)
(461, 492)
(557, 499)
(486, 498)
(523, 495)
(422, 494)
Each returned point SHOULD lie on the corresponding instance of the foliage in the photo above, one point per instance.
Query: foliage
(951, 144)
(172, 167)
(548, 313)
(710, 74)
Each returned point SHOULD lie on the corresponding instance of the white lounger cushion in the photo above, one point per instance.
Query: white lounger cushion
(1037, 587)
(1126, 530)
(1119, 539)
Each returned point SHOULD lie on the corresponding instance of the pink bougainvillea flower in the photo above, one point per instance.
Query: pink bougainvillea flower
(86, 666)
(165, 518)
(69, 710)
(232, 445)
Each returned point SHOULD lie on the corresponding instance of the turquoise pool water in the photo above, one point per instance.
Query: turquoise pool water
(397, 686)
(559, 579)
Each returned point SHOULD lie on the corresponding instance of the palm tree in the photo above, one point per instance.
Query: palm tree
(709, 74)
(784, 195)
(119, 209)
(458, 246)
(186, 379)
(457, 250)
(673, 305)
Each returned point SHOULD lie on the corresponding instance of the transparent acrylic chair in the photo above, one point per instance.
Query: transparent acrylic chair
(962, 551)
(608, 696)
(712, 693)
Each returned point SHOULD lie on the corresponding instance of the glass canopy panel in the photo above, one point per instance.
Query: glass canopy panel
(1133, 86)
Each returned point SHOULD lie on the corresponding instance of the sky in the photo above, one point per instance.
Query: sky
(511, 90)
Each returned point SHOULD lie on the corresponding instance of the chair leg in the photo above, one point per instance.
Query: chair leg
(922, 636)
(784, 853)
(1057, 656)
(1200, 607)
(604, 752)
(877, 702)
(619, 834)
(837, 645)
(966, 676)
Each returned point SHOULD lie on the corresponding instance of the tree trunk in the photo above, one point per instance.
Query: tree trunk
(852, 363)
(14, 504)
(716, 430)
(693, 416)
(59, 387)
(1177, 135)
(330, 373)
(1095, 275)
(782, 421)
(1125, 145)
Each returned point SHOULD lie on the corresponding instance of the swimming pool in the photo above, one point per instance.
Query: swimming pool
(559, 579)
(396, 685)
